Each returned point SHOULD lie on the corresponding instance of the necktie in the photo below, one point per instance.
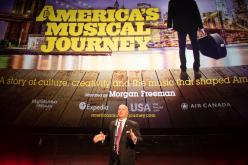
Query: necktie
(118, 138)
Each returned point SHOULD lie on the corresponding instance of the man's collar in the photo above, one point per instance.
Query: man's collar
(123, 120)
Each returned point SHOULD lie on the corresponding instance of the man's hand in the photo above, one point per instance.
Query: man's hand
(170, 29)
(99, 137)
(203, 31)
(133, 137)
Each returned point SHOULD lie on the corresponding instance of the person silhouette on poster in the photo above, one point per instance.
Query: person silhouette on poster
(123, 135)
(185, 18)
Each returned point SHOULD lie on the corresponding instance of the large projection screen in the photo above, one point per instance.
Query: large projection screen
(69, 64)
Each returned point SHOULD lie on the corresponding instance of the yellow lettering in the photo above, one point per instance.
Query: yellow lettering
(55, 29)
(111, 44)
(63, 44)
(142, 41)
(141, 30)
(99, 15)
(101, 29)
(122, 15)
(90, 29)
(93, 44)
(136, 15)
(113, 29)
(76, 29)
(84, 16)
(152, 14)
(127, 44)
(50, 45)
(66, 16)
(47, 13)
(127, 29)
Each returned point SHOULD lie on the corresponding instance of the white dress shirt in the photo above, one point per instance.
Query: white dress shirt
(123, 122)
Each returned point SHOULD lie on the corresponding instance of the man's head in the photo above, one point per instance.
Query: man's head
(122, 111)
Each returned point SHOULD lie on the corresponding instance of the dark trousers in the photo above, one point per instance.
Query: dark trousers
(182, 45)
(115, 159)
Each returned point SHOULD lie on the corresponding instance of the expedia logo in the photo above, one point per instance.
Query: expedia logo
(82, 105)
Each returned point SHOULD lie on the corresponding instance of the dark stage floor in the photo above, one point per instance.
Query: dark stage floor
(48, 149)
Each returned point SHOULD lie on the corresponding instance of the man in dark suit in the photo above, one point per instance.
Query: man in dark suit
(123, 135)
(185, 18)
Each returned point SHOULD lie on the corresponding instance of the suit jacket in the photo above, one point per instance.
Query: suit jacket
(127, 147)
(184, 16)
